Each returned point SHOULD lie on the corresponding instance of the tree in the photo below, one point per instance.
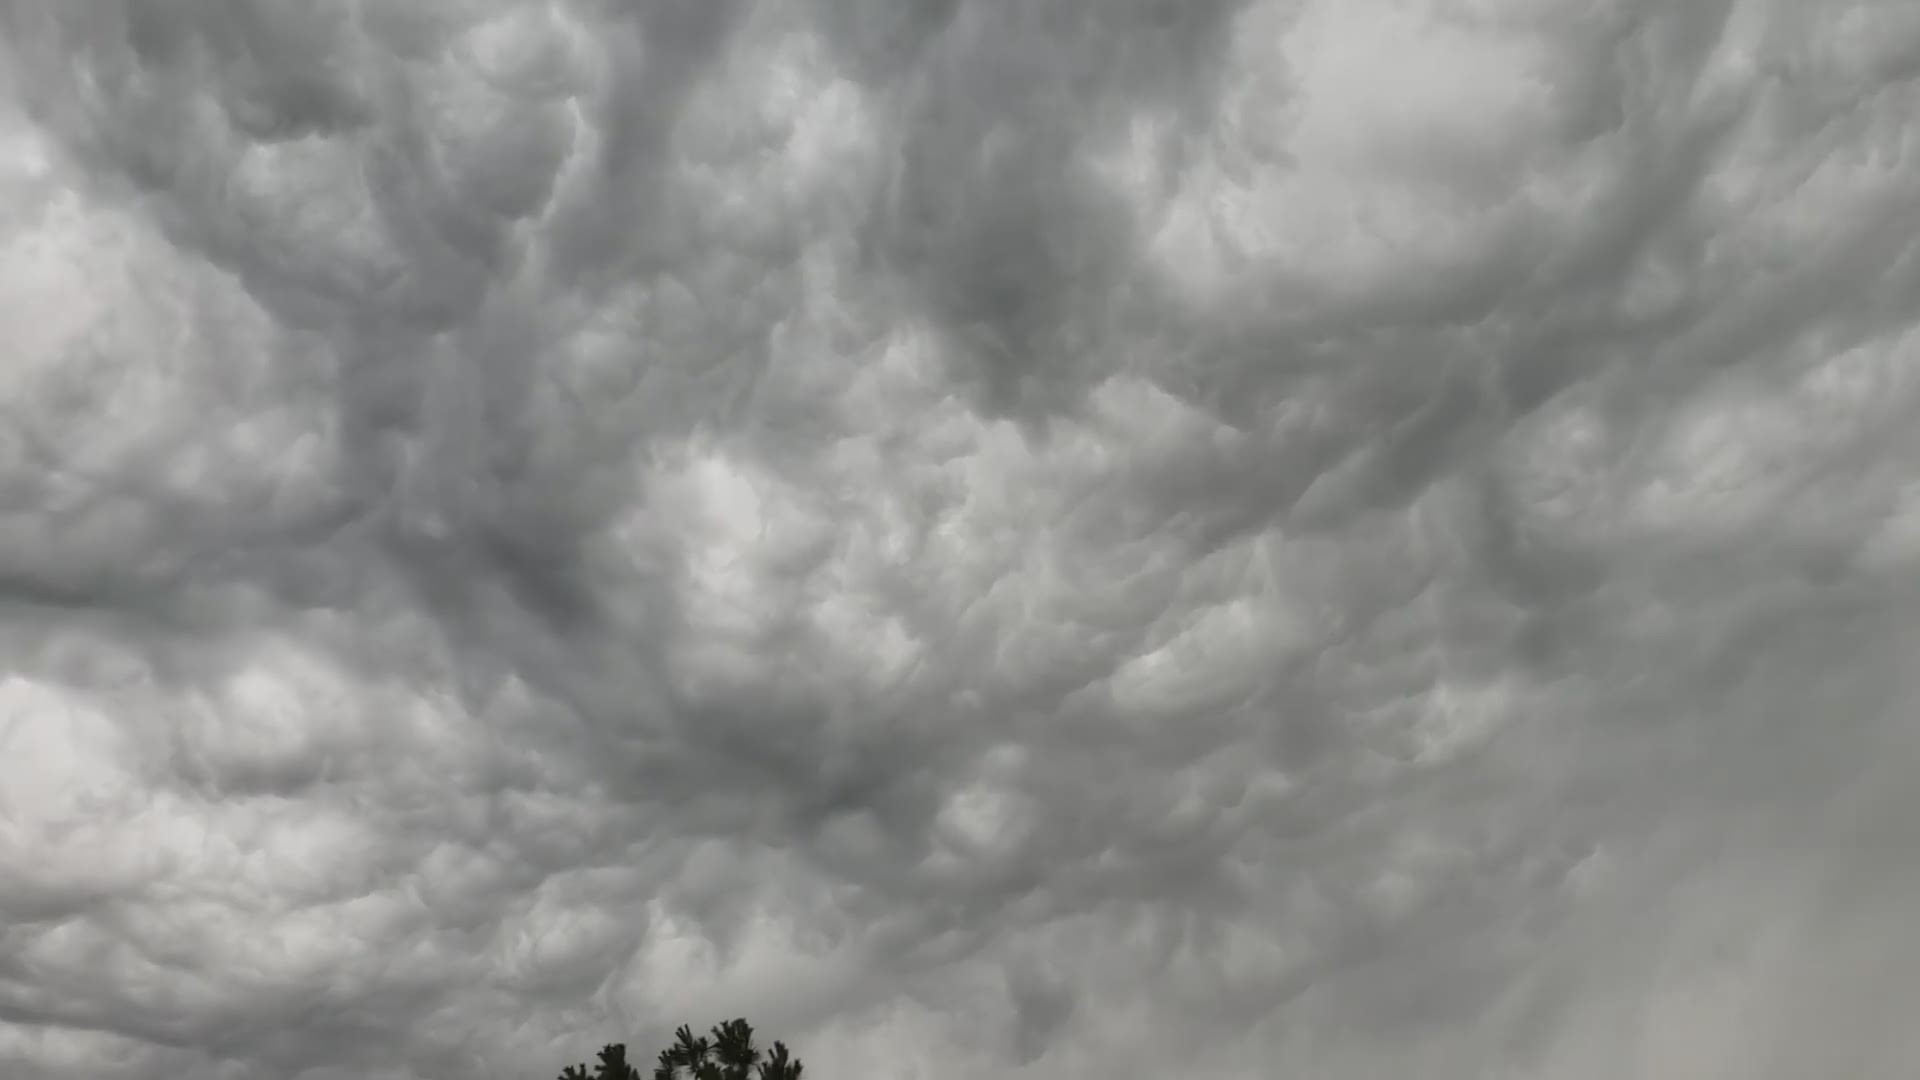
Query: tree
(726, 1054)
(613, 1066)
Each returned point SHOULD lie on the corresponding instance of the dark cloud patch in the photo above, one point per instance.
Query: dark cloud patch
(988, 213)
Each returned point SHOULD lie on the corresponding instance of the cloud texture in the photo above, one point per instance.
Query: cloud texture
(1068, 538)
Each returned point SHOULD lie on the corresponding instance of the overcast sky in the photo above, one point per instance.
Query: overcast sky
(994, 538)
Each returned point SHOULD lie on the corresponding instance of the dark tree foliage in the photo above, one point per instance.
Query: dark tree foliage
(727, 1053)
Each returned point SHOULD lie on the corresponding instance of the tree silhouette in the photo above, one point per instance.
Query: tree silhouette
(727, 1053)
(613, 1066)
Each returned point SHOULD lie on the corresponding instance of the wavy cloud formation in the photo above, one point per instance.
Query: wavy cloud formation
(1333, 538)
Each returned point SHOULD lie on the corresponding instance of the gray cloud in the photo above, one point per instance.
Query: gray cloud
(1055, 539)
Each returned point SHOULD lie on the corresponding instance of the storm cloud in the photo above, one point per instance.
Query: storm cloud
(1069, 538)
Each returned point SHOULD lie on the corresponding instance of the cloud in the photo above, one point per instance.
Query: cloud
(992, 539)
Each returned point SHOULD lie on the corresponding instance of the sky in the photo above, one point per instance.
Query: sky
(993, 538)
